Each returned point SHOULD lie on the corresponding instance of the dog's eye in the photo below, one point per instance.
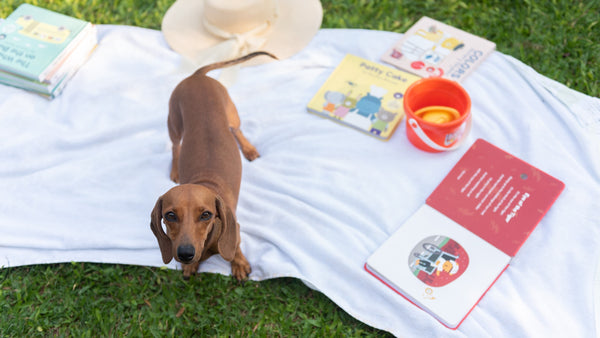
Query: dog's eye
(170, 216)
(205, 216)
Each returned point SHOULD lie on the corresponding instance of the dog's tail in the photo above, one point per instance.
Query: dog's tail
(213, 66)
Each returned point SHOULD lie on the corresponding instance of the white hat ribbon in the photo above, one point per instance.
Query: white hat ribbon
(235, 44)
(239, 44)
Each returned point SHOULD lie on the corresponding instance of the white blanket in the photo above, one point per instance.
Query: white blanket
(80, 174)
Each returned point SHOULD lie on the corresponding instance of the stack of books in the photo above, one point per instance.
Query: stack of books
(41, 50)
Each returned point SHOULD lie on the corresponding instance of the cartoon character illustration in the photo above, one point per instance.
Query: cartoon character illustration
(448, 266)
(342, 110)
(348, 102)
(42, 31)
(387, 115)
(438, 260)
(363, 115)
(369, 104)
(332, 100)
(384, 117)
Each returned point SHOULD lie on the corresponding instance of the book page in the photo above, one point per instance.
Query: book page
(496, 196)
(438, 265)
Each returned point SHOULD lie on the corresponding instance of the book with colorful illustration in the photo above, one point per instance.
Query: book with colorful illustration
(431, 48)
(64, 72)
(364, 95)
(447, 255)
(43, 47)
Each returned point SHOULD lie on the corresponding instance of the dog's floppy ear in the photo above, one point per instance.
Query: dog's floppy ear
(229, 238)
(164, 242)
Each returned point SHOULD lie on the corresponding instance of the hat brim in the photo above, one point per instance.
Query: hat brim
(297, 23)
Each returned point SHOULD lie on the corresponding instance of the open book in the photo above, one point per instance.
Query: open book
(448, 254)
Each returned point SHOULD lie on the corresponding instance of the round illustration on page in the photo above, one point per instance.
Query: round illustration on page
(438, 260)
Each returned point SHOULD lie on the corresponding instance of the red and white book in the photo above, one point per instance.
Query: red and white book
(431, 48)
(447, 255)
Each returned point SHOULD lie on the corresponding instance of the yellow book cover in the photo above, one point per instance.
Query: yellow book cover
(364, 95)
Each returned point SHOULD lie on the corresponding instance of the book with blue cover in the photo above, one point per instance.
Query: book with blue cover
(35, 41)
(65, 71)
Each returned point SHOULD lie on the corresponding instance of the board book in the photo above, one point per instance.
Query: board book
(364, 95)
(65, 71)
(35, 41)
(431, 48)
(447, 255)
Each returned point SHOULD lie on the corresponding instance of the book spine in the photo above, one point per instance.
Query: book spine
(89, 36)
(17, 81)
(81, 56)
(52, 68)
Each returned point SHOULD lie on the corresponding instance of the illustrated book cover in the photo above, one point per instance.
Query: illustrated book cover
(365, 95)
(34, 41)
(65, 71)
(431, 48)
(447, 255)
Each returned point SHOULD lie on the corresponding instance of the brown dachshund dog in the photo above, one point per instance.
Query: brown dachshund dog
(199, 214)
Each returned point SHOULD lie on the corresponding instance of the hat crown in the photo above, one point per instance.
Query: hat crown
(238, 16)
(207, 31)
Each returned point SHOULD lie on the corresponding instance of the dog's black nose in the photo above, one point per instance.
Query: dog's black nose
(186, 253)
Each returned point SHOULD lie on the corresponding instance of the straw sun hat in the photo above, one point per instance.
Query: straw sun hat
(206, 31)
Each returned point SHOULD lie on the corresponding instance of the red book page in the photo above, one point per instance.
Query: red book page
(495, 195)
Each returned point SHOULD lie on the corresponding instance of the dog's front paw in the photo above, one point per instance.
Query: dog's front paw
(240, 268)
(250, 153)
(189, 269)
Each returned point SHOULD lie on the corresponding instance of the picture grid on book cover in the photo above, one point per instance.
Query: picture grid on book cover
(431, 48)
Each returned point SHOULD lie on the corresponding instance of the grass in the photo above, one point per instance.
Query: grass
(558, 38)
(82, 300)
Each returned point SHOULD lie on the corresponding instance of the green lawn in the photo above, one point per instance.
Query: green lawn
(559, 38)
